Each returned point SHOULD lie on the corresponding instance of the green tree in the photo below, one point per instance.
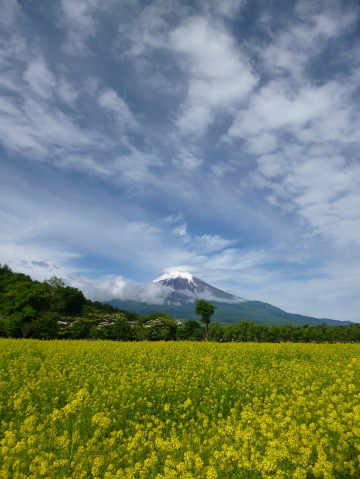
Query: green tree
(65, 300)
(121, 328)
(45, 326)
(230, 333)
(22, 304)
(56, 286)
(215, 331)
(157, 327)
(80, 328)
(205, 310)
(245, 331)
(191, 330)
(74, 301)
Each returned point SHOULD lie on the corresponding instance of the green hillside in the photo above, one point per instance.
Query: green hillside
(227, 313)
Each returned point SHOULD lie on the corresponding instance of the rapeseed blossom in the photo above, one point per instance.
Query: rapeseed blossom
(109, 410)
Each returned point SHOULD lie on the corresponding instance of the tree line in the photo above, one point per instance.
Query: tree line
(53, 310)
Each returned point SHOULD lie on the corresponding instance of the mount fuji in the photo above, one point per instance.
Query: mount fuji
(186, 287)
(178, 290)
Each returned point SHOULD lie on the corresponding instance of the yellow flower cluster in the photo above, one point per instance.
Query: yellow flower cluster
(111, 410)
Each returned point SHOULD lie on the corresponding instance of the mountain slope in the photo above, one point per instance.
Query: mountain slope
(191, 287)
(184, 289)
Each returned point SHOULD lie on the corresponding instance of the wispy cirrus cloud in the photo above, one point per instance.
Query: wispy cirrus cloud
(240, 119)
(219, 75)
(295, 47)
(9, 11)
(79, 23)
(40, 78)
(300, 127)
(118, 108)
(200, 244)
(226, 8)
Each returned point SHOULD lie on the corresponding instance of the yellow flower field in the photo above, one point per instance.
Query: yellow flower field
(92, 409)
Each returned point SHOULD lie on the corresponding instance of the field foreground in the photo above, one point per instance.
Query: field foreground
(80, 409)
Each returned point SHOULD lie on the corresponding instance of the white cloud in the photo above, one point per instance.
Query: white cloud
(67, 91)
(232, 259)
(135, 168)
(111, 288)
(182, 231)
(39, 130)
(207, 243)
(147, 31)
(21, 257)
(35, 121)
(301, 132)
(299, 42)
(219, 75)
(200, 245)
(89, 163)
(280, 106)
(220, 169)
(323, 190)
(226, 8)
(40, 78)
(262, 143)
(9, 11)
(120, 110)
(270, 166)
(117, 287)
(330, 292)
(78, 19)
(186, 160)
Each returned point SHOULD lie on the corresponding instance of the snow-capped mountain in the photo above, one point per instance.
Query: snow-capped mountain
(184, 286)
(175, 293)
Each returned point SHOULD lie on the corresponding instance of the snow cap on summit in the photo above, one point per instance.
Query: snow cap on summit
(175, 275)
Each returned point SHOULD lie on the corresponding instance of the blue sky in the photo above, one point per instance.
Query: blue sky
(220, 138)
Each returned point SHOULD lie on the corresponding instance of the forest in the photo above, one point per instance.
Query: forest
(53, 310)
